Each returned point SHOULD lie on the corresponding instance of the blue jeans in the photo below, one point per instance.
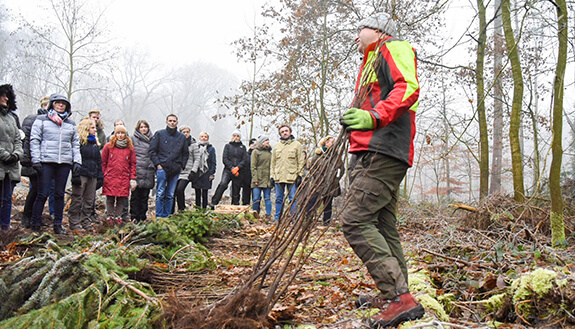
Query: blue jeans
(6, 188)
(280, 187)
(165, 193)
(257, 192)
(51, 173)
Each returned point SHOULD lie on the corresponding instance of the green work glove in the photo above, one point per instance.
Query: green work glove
(357, 119)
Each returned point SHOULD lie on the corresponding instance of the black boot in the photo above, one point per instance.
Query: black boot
(59, 230)
(25, 223)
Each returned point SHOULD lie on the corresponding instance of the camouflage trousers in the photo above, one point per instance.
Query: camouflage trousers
(369, 222)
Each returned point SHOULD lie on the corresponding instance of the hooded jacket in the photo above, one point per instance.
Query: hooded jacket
(260, 165)
(145, 170)
(52, 143)
(10, 139)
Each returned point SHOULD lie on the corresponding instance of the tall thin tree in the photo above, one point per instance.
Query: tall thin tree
(557, 219)
(515, 122)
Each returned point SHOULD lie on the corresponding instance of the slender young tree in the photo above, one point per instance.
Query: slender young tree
(480, 80)
(557, 219)
(515, 122)
(497, 161)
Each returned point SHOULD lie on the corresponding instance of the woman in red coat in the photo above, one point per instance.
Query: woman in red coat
(119, 167)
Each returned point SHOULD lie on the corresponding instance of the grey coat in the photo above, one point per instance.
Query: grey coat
(193, 161)
(51, 143)
(10, 143)
(145, 169)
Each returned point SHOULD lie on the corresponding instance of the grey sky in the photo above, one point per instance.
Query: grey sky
(174, 31)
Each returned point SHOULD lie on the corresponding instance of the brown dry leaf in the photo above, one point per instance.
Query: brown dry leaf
(490, 282)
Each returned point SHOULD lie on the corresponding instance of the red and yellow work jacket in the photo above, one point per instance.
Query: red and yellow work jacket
(392, 99)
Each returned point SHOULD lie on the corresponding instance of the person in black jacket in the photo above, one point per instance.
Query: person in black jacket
(26, 162)
(87, 179)
(169, 153)
(235, 160)
(247, 176)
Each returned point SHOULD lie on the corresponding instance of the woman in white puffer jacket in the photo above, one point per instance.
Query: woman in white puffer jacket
(55, 150)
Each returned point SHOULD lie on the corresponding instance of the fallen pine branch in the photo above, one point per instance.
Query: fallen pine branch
(152, 300)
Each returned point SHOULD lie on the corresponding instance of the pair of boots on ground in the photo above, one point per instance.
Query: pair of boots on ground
(394, 311)
(26, 223)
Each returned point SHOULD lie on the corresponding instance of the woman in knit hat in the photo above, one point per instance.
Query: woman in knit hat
(260, 165)
(55, 149)
(235, 158)
(119, 167)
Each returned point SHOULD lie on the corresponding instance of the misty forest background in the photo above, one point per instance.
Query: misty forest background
(492, 116)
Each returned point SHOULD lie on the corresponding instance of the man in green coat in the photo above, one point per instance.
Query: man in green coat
(286, 167)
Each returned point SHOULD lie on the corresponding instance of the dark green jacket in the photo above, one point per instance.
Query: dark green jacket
(260, 166)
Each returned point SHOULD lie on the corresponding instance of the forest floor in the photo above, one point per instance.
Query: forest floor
(460, 261)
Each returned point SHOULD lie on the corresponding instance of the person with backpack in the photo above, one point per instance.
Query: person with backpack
(206, 170)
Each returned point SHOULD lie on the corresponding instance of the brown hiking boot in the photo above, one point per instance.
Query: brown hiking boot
(395, 311)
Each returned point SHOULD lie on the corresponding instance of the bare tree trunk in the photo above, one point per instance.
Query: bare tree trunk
(557, 219)
(480, 80)
(497, 162)
(533, 113)
(446, 130)
(515, 121)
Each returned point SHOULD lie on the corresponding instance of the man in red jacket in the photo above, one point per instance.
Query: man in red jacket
(382, 126)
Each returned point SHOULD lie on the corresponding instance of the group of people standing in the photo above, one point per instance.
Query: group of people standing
(259, 168)
(50, 146)
(127, 168)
